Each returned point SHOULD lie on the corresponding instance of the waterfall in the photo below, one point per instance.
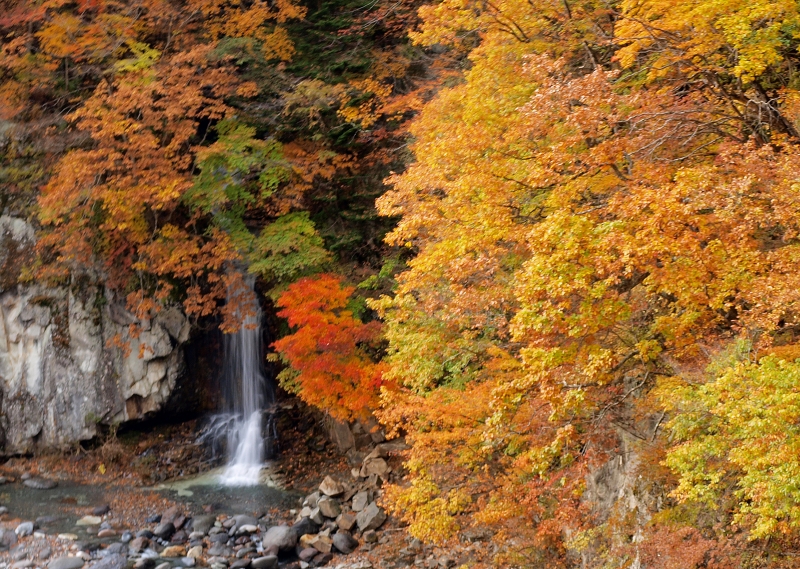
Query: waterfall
(245, 388)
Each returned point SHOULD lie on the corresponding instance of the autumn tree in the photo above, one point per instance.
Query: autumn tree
(608, 197)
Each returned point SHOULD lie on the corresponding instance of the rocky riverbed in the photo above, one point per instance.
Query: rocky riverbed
(335, 525)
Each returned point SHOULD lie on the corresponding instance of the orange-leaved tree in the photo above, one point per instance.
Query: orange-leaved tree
(330, 352)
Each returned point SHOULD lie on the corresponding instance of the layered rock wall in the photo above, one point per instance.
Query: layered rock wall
(60, 377)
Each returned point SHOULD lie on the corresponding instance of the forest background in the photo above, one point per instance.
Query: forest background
(534, 237)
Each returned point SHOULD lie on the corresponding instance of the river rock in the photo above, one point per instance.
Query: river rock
(371, 517)
(195, 552)
(165, 565)
(112, 561)
(203, 523)
(329, 507)
(331, 487)
(40, 483)
(243, 520)
(283, 537)
(89, 521)
(126, 537)
(66, 563)
(103, 533)
(266, 562)
(174, 551)
(307, 554)
(22, 564)
(164, 530)
(101, 510)
(344, 542)
(139, 543)
(3, 510)
(370, 536)
(240, 564)
(24, 529)
(116, 548)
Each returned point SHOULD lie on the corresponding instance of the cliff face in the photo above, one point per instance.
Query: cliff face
(59, 378)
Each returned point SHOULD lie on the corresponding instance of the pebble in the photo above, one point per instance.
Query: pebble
(66, 563)
(67, 536)
(165, 565)
(106, 533)
(111, 561)
(88, 521)
(240, 564)
(370, 536)
(3, 480)
(154, 519)
(101, 510)
(39, 534)
(195, 552)
(188, 561)
(126, 537)
(24, 564)
(3, 510)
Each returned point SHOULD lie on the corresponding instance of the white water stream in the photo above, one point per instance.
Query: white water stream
(245, 383)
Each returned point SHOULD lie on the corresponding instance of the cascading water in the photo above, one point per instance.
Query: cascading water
(246, 393)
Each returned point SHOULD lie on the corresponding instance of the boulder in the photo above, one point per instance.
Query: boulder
(360, 501)
(305, 526)
(346, 521)
(371, 517)
(329, 507)
(331, 487)
(283, 537)
(374, 465)
(344, 542)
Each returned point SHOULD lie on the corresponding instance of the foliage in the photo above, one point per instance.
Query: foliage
(327, 351)
(740, 430)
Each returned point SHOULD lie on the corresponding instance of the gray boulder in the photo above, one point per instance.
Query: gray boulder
(344, 542)
(371, 517)
(282, 537)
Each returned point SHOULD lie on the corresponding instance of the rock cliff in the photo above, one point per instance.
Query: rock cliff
(59, 377)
